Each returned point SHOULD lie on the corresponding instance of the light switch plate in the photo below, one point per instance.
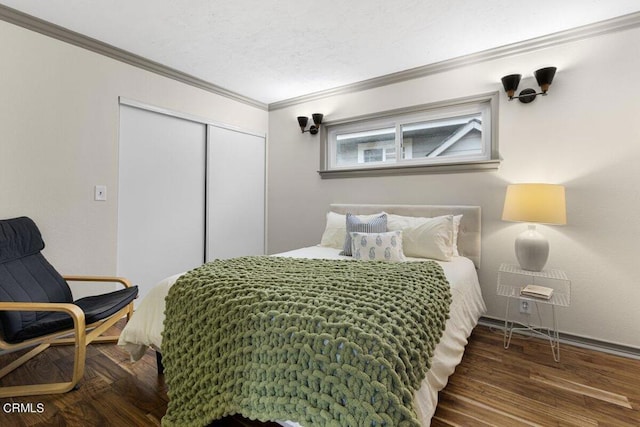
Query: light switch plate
(100, 193)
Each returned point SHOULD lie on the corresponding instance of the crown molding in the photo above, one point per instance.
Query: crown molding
(32, 23)
(622, 23)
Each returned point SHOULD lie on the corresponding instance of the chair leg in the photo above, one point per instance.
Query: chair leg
(82, 339)
(80, 358)
(36, 389)
(53, 388)
(23, 359)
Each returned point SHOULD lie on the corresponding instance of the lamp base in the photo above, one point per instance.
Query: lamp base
(532, 249)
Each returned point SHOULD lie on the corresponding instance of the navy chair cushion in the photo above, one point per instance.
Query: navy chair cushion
(26, 276)
(95, 308)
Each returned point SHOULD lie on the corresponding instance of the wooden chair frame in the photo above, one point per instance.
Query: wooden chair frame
(83, 336)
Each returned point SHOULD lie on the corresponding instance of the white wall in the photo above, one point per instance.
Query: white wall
(584, 135)
(59, 137)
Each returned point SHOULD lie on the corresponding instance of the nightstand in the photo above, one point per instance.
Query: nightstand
(512, 279)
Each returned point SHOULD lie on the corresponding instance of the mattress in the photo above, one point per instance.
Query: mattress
(145, 327)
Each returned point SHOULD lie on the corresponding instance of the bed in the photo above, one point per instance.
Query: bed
(146, 327)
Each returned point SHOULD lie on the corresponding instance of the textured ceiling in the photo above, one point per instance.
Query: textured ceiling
(275, 50)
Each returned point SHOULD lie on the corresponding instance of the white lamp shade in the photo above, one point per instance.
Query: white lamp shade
(541, 203)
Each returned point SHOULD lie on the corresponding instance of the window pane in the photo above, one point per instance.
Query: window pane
(357, 148)
(458, 136)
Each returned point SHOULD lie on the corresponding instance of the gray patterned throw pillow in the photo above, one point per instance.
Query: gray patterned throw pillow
(374, 225)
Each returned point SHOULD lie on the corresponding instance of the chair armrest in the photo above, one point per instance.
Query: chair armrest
(112, 279)
(76, 313)
(73, 310)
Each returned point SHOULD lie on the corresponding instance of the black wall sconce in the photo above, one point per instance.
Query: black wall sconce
(317, 121)
(544, 77)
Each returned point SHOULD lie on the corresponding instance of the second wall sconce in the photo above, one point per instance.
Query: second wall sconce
(317, 121)
(544, 77)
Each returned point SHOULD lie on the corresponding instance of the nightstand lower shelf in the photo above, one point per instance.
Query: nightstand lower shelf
(551, 334)
(512, 281)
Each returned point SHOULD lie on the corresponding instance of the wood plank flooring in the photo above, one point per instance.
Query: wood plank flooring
(521, 386)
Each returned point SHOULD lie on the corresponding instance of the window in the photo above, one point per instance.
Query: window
(453, 136)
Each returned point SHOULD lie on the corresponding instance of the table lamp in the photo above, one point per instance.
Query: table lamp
(534, 203)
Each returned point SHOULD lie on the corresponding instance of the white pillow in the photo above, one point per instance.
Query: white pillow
(433, 238)
(456, 230)
(377, 246)
(335, 231)
(400, 222)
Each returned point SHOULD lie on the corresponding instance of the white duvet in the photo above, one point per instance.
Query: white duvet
(145, 327)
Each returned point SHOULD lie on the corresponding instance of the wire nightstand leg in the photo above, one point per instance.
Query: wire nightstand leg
(555, 336)
(508, 330)
(551, 334)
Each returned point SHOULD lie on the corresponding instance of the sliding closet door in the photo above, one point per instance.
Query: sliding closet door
(236, 194)
(161, 196)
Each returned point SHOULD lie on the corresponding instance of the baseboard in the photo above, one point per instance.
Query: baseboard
(578, 341)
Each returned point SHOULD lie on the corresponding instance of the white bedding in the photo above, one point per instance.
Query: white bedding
(145, 327)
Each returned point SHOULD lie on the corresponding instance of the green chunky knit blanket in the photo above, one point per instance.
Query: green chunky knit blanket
(320, 342)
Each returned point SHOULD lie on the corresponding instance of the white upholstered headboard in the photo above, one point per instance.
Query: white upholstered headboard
(469, 244)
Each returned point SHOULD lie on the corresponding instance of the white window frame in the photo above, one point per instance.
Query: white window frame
(486, 105)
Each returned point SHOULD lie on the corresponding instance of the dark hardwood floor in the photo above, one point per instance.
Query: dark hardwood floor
(521, 386)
